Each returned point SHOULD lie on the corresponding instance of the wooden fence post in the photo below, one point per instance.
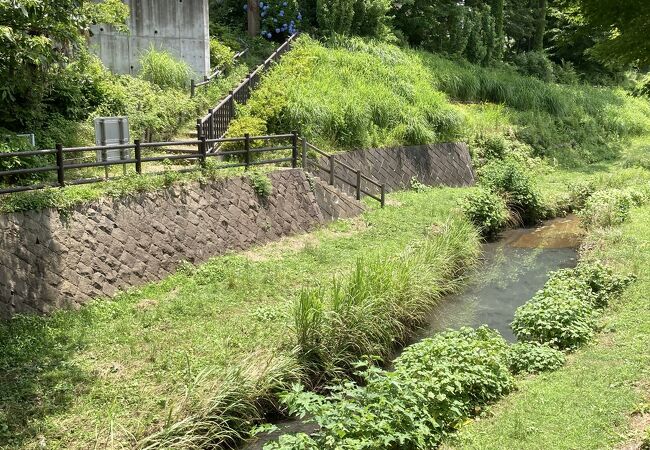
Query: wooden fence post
(60, 170)
(211, 124)
(294, 149)
(332, 170)
(192, 88)
(358, 185)
(203, 150)
(138, 157)
(304, 153)
(247, 147)
(383, 195)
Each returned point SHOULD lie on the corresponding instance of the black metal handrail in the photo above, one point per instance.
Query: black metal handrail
(215, 124)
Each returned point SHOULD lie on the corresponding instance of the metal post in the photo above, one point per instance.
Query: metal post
(138, 157)
(304, 153)
(358, 185)
(332, 170)
(294, 149)
(203, 150)
(247, 147)
(59, 165)
(383, 195)
(192, 88)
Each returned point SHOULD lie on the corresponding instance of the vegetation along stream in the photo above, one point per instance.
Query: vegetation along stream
(511, 271)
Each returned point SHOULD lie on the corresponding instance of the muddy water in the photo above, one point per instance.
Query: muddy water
(512, 270)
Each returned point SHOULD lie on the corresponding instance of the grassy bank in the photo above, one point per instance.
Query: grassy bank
(598, 400)
(118, 370)
(360, 94)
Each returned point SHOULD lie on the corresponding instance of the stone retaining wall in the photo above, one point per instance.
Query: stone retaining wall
(432, 165)
(49, 261)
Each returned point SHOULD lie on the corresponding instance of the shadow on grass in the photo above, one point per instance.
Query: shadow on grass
(38, 376)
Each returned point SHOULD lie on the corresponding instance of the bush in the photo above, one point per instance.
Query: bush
(579, 192)
(261, 184)
(436, 384)
(603, 282)
(280, 18)
(606, 208)
(642, 87)
(487, 210)
(509, 179)
(527, 357)
(535, 64)
(10, 143)
(163, 70)
(556, 317)
(221, 56)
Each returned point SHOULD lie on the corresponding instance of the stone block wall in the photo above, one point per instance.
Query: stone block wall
(49, 261)
(432, 165)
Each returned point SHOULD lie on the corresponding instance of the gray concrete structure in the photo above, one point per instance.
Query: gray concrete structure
(179, 26)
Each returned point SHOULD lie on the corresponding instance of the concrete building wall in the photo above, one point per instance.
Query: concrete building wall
(179, 26)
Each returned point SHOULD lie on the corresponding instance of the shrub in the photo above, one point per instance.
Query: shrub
(163, 70)
(280, 18)
(261, 184)
(487, 210)
(603, 282)
(579, 192)
(642, 87)
(436, 384)
(10, 143)
(221, 56)
(528, 357)
(556, 317)
(509, 179)
(606, 208)
(535, 64)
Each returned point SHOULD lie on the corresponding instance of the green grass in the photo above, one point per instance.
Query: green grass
(589, 403)
(120, 369)
(360, 94)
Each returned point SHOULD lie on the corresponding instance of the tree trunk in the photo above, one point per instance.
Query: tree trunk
(497, 13)
(253, 18)
(540, 27)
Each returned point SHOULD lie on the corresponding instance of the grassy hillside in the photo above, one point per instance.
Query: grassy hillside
(355, 94)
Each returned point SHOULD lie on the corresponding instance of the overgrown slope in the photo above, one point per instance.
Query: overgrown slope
(358, 94)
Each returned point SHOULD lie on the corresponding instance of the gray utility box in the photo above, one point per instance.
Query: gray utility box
(112, 131)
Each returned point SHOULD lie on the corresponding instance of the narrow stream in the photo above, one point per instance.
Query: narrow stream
(511, 271)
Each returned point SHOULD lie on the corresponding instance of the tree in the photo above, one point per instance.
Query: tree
(627, 24)
(540, 26)
(253, 8)
(37, 38)
(497, 13)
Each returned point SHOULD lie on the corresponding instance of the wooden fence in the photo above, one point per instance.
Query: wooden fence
(296, 153)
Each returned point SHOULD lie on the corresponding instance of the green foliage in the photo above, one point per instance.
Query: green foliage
(487, 210)
(359, 17)
(601, 281)
(10, 143)
(535, 64)
(261, 184)
(642, 87)
(36, 42)
(435, 386)
(221, 56)
(379, 303)
(606, 208)
(555, 317)
(579, 192)
(279, 19)
(527, 357)
(162, 69)
(510, 180)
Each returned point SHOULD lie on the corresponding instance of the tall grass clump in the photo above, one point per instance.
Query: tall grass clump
(162, 69)
(219, 414)
(377, 307)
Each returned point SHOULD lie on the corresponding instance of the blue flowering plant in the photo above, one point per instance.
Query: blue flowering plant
(280, 18)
